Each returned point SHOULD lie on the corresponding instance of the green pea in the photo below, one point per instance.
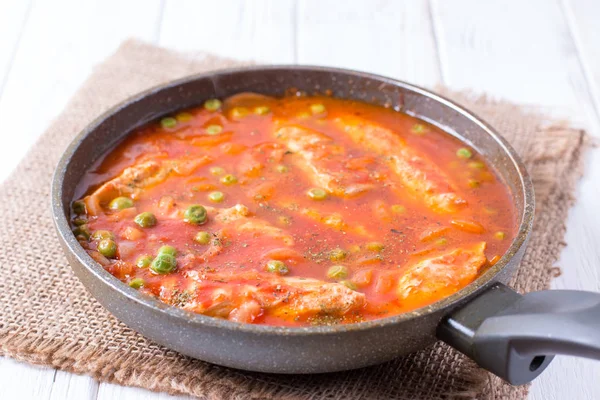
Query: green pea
(282, 169)
(216, 197)
(349, 284)
(214, 129)
(375, 246)
(82, 232)
(398, 208)
(239, 112)
(184, 117)
(337, 272)
(217, 171)
(262, 110)
(317, 108)
(78, 207)
(81, 238)
(195, 214)
(102, 234)
(170, 250)
(168, 122)
(120, 203)
(317, 194)
(277, 267)
(212, 104)
(163, 264)
(337, 254)
(418, 129)
(476, 165)
(80, 221)
(203, 237)
(108, 248)
(145, 220)
(229, 179)
(441, 241)
(136, 283)
(464, 153)
(500, 235)
(143, 261)
(474, 183)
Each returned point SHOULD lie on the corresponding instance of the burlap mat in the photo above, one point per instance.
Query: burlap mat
(48, 318)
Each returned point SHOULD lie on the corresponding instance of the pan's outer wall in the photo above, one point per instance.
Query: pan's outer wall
(268, 349)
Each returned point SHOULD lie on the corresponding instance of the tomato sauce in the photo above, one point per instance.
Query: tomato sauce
(293, 211)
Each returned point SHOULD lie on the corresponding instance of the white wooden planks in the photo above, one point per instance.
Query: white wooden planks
(54, 51)
(582, 17)
(12, 20)
(111, 391)
(23, 381)
(536, 52)
(526, 52)
(71, 386)
(261, 30)
(392, 38)
(522, 51)
(58, 47)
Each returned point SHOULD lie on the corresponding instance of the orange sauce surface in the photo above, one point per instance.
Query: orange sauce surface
(316, 211)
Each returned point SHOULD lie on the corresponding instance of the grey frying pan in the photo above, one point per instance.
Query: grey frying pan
(511, 335)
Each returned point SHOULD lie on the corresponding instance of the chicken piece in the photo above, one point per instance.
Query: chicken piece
(243, 222)
(334, 221)
(318, 297)
(285, 297)
(439, 276)
(135, 179)
(236, 219)
(258, 228)
(247, 312)
(323, 161)
(252, 162)
(229, 215)
(423, 179)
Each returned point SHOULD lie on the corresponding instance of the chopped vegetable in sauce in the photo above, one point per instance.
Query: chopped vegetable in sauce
(145, 219)
(293, 211)
(136, 283)
(168, 122)
(212, 104)
(203, 237)
(143, 261)
(214, 129)
(108, 248)
(195, 214)
(216, 197)
(121, 203)
(464, 153)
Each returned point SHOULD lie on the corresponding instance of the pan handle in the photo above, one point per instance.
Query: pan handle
(516, 337)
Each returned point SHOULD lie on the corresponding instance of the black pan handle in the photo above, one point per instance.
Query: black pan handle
(516, 337)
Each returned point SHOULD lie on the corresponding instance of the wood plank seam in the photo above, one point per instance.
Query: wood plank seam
(436, 41)
(53, 382)
(575, 38)
(294, 9)
(15, 48)
(159, 20)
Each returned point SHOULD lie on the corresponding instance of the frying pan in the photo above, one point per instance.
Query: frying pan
(513, 336)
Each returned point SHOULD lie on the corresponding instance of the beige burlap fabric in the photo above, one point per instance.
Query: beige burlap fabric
(48, 318)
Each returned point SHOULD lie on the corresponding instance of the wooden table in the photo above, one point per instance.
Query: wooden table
(542, 53)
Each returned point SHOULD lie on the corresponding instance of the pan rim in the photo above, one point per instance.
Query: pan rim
(71, 245)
